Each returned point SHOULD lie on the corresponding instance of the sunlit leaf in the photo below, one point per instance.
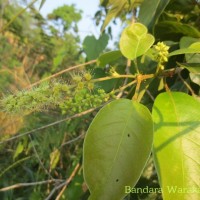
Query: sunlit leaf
(54, 158)
(194, 48)
(116, 148)
(135, 41)
(19, 150)
(176, 145)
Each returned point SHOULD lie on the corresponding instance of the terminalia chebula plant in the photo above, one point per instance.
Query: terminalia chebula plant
(126, 130)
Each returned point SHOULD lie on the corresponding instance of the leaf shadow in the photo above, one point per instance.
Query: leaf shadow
(189, 125)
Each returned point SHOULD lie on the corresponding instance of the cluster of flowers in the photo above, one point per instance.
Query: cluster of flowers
(84, 100)
(161, 55)
(78, 97)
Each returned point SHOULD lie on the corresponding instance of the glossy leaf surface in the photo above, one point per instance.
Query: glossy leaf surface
(116, 148)
(177, 145)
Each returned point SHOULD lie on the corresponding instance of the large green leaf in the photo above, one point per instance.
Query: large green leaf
(177, 145)
(150, 11)
(116, 148)
(93, 47)
(135, 41)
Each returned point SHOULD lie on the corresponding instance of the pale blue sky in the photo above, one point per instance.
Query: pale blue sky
(86, 25)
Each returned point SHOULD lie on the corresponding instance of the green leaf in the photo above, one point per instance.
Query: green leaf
(195, 45)
(116, 148)
(19, 150)
(176, 144)
(116, 7)
(42, 3)
(54, 158)
(171, 30)
(93, 47)
(108, 57)
(185, 42)
(58, 59)
(135, 41)
(193, 48)
(192, 67)
(150, 11)
(195, 78)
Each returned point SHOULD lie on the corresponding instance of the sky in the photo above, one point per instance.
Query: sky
(86, 25)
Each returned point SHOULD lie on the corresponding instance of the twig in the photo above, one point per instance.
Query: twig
(165, 85)
(150, 95)
(68, 181)
(51, 124)
(127, 70)
(18, 185)
(139, 80)
(123, 88)
(113, 77)
(186, 84)
(64, 185)
(61, 72)
(37, 155)
(73, 140)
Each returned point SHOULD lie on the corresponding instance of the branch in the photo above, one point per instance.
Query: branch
(68, 181)
(14, 164)
(51, 124)
(61, 72)
(73, 140)
(37, 155)
(186, 84)
(18, 185)
(64, 185)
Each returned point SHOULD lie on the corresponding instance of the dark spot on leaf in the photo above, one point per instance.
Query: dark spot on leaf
(117, 180)
(128, 135)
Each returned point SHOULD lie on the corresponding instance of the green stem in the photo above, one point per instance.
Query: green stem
(136, 66)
